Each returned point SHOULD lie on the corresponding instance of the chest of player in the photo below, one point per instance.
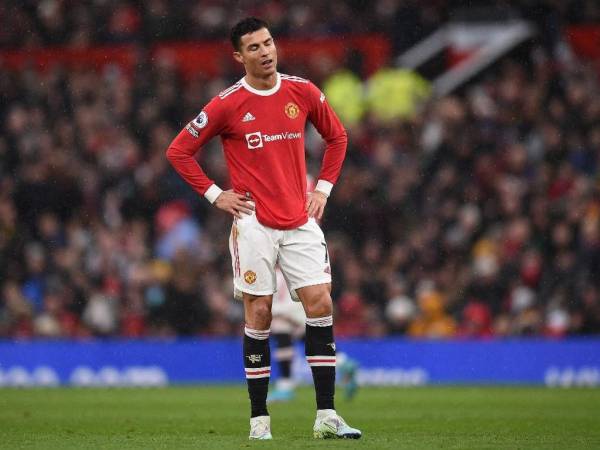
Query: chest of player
(260, 123)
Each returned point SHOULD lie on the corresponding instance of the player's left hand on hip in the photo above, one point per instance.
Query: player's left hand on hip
(315, 204)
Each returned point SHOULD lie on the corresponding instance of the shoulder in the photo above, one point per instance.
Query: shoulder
(294, 79)
(230, 91)
(224, 100)
(295, 83)
(306, 87)
(301, 85)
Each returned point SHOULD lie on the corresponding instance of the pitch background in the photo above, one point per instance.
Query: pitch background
(217, 417)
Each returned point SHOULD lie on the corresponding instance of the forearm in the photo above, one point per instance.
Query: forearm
(333, 159)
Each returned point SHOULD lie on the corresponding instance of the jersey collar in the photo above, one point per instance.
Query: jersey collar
(263, 92)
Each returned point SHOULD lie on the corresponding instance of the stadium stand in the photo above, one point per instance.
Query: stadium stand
(478, 215)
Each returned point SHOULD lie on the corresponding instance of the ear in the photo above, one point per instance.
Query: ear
(238, 57)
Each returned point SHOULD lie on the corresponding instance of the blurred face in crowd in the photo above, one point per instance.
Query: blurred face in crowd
(258, 54)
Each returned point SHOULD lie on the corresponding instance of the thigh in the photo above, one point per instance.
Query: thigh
(303, 257)
(253, 257)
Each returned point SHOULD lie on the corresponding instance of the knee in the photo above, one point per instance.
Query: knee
(319, 305)
(260, 317)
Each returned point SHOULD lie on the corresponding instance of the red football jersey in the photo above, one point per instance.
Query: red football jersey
(262, 132)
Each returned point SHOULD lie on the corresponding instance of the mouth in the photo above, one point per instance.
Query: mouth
(267, 63)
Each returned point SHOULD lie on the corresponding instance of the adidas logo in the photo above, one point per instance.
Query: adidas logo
(248, 117)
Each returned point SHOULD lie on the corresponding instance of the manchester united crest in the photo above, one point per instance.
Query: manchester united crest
(292, 110)
(249, 277)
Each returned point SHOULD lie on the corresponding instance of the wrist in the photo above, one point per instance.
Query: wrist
(212, 193)
(324, 187)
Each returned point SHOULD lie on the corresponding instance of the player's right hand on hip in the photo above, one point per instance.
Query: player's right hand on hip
(234, 203)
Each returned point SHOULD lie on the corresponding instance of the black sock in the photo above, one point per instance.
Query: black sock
(284, 354)
(320, 355)
(257, 362)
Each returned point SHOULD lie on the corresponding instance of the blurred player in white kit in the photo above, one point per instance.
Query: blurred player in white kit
(287, 327)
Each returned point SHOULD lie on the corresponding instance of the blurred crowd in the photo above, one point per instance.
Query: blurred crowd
(74, 23)
(477, 217)
(480, 217)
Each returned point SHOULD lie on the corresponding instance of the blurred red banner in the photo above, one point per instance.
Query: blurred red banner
(207, 58)
(585, 40)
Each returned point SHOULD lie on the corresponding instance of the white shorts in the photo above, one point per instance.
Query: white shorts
(301, 254)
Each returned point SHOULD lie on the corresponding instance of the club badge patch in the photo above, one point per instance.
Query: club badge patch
(249, 277)
(201, 121)
(291, 110)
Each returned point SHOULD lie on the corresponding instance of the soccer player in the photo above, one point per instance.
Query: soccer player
(261, 122)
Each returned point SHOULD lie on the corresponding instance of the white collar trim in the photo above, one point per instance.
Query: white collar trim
(263, 92)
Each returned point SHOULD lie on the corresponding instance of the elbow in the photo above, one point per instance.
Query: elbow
(344, 136)
(340, 139)
(180, 149)
(171, 153)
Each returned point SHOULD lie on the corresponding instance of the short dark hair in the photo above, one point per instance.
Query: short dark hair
(245, 26)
